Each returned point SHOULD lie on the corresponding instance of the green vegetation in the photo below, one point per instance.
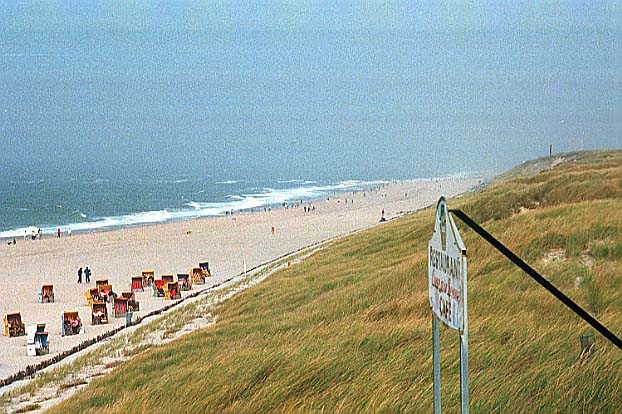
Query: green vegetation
(348, 329)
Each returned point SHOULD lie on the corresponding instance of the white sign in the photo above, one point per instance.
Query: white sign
(446, 269)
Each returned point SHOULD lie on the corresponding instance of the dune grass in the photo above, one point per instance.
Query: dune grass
(348, 330)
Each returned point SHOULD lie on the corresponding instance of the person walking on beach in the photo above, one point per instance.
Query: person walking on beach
(80, 275)
(58, 232)
(87, 275)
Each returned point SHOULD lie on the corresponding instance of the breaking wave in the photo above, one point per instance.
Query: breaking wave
(194, 209)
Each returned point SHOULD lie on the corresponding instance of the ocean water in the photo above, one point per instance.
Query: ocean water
(90, 205)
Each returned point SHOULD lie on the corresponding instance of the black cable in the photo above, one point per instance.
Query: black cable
(539, 278)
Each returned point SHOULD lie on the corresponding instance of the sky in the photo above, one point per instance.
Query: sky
(303, 89)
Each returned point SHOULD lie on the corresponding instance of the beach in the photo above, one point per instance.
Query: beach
(230, 243)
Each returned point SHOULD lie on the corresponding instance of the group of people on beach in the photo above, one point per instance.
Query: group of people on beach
(39, 234)
(34, 235)
(58, 232)
(87, 275)
(307, 208)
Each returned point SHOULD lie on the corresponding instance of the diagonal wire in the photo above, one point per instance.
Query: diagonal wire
(539, 278)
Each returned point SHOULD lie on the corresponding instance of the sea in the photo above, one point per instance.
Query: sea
(125, 113)
(89, 205)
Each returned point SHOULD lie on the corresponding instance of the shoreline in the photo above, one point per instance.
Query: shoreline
(49, 232)
(229, 243)
(177, 215)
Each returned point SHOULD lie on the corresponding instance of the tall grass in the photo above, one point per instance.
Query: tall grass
(348, 329)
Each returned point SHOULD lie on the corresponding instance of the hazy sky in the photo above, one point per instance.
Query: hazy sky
(352, 90)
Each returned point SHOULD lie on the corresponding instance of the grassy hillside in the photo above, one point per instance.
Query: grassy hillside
(349, 331)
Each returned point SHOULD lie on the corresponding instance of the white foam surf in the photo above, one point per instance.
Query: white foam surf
(195, 209)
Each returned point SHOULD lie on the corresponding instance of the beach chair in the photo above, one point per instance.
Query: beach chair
(132, 303)
(91, 295)
(148, 277)
(100, 282)
(99, 313)
(168, 278)
(205, 267)
(196, 275)
(46, 294)
(158, 288)
(13, 325)
(137, 283)
(120, 307)
(105, 292)
(171, 291)
(71, 323)
(185, 283)
(37, 340)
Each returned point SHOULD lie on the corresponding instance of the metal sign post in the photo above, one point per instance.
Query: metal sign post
(436, 361)
(447, 285)
(464, 342)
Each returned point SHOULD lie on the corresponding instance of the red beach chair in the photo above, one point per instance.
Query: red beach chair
(158, 288)
(137, 283)
(120, 307)
(171, 291)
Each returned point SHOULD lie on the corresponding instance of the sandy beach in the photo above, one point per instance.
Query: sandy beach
(227, 242)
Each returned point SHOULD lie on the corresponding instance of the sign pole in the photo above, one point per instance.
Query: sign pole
(436, 361)
(464, 346)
